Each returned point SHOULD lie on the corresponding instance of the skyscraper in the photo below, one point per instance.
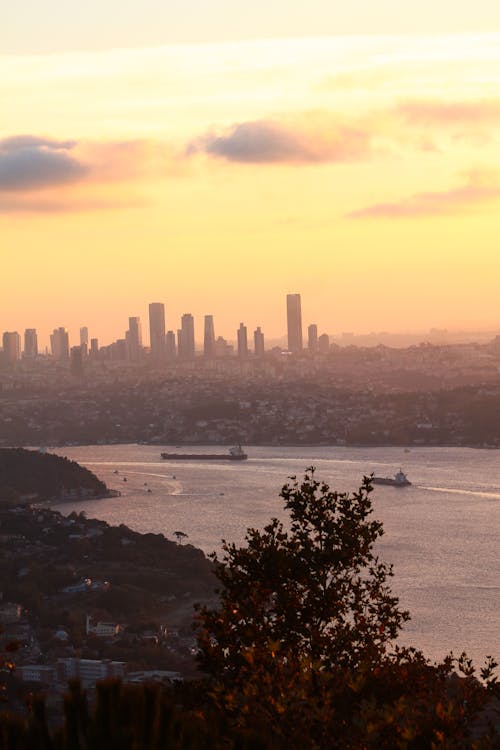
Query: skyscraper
(76, 361)
(157, 330)
(11, 346)
(312, 337)
(258, 342)
(133, 338)
(30, 343)
(324, 343)
(84, 340)
(294, 322)
(94, 347)
(59, 343)
(209, 337)
(242, 341)
(187, 336)
(170, 345)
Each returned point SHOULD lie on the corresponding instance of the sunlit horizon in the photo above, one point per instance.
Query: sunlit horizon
(358, 170)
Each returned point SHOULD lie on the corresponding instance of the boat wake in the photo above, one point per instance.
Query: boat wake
(455, 491)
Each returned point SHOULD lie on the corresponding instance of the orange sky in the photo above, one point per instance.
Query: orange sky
(359, 171)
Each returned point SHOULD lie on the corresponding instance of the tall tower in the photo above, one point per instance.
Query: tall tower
(209, 337)
(294, 322)
(170, 348)
(157, 330)
(84, 340)
(312, 337)
(12, 346)
(59, 343)
(242, 341)
(258, 342)
(134, 339)
(30, 343)
(187, 336)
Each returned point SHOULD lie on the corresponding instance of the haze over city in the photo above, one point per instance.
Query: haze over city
(217, 161)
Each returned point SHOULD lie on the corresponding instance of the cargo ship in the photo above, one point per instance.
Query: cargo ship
(233, 454)
(399, 480)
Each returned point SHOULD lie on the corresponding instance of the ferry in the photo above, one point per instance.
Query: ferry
(399, 480)
(233, 454)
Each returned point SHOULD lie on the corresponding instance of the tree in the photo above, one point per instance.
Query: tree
(316, 591)
(301, 647)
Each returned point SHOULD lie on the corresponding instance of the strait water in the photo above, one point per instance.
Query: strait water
(441, 534)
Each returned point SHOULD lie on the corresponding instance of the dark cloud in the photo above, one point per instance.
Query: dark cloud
(268, 142)
(30, 163)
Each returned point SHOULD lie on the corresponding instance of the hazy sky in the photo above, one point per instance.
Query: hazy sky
(215, 156)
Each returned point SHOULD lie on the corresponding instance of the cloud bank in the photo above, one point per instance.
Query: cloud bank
(29, 163)
(272, 142)
(480, 187)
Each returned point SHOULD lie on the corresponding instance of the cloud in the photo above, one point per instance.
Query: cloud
(479, 187)
(29, 163)
(432, 112)
(309, 140)
(45, 175)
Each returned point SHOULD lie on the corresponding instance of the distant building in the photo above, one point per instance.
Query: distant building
(89, 671)
(157, 331)
(170, 348)
(84, 340)
(258, 342)
(59, 343)
(242, 341)
(222, 348)
(324, 343)
(11, 346)
(30, 343)
(294, 322)
(94, 347)
(187, 350)
(101, 629)
(209, 337)
(133, 337)
(312, 337)
(76, 361)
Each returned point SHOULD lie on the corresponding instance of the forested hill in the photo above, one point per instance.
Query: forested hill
(27, 475)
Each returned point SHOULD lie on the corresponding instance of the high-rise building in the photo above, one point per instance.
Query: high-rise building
(170, 345)
(294, 322)
(133, 338)
(242, 341)
(209, 337)
(157, 330)
(187, 337)
(324, 343)
(76, 360)
(59, 343)
(312, 337)
(258, 342)
(94, 347)
(84, 340)
(11, 346)
(30, 343)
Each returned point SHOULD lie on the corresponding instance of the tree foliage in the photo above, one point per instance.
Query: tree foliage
(302, 646)
(316, 591)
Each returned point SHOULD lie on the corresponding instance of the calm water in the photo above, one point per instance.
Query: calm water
(441, 534)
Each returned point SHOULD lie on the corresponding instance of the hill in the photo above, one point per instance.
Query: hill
(31, 476)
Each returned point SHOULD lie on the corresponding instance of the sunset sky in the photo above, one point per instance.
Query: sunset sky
(215, 156)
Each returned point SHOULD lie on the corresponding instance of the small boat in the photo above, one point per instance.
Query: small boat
(233, 454)
(399, 480)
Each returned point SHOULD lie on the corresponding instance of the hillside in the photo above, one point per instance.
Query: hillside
(31, 476)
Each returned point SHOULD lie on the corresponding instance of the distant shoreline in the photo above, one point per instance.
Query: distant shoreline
(408, 446)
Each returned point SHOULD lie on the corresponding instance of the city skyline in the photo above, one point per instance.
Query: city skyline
(218, 174)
